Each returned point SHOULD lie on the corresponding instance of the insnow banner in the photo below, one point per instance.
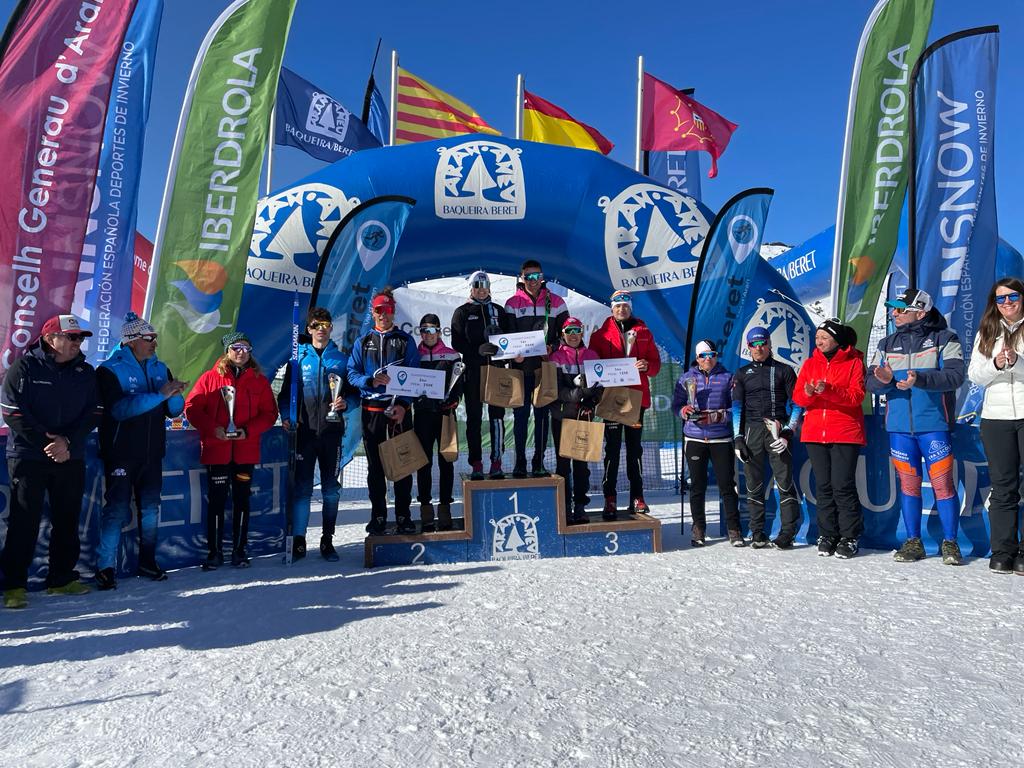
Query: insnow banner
(308, 118)
(678, 170)
(105, 275)
(482, 203)
(727, 267)
(205, 224)
(956, 227)
(876, 160)
(55, 78)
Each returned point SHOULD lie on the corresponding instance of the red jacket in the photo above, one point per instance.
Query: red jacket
(255, 409)
(834, 416)
(607, 341)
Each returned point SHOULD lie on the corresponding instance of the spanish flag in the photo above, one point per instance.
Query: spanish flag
(544, 122)
(425, 113)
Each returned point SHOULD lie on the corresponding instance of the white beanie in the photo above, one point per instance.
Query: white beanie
(705, 346)
(134, 326)
(480, 277)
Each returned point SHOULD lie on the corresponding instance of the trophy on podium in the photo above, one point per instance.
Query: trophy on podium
(228, 393)
(334, 384)
(691, 399)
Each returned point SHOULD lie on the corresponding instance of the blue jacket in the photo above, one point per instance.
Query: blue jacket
(374, 350)
(314, 389)
(40, 397)
(133, 408)
(931, 350)
(713, 394)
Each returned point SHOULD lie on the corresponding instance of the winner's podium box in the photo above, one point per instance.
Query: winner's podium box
(516, 520)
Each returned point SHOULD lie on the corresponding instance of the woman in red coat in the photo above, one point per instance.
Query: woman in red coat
(230, 457)
(624, 335)
(830, 388)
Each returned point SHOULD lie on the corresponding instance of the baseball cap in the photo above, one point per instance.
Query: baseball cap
(63, 324)
(384, 301)
(917, 300)
(758, 333)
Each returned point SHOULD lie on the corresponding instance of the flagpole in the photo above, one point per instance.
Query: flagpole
(520, 87)
(270, 145)
(844, 173)
(394, 95)
(639, 108)
(368, 96)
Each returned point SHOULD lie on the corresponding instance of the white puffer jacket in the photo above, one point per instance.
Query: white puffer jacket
(1004, 389)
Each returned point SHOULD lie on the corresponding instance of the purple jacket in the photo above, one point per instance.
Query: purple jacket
(714, 394)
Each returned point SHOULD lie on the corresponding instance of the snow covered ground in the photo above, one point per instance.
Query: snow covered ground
(713, 657)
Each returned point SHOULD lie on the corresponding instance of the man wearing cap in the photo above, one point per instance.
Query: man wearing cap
(763, 421)
(138, 393)
(533, 307)
(918, 368)
(383, 416)
(472, 324)
(49, 402)
(623, 335)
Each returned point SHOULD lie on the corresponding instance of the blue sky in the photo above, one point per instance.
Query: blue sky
(781, 69)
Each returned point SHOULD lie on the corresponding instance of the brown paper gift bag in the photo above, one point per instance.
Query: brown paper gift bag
(581, 440)
(620, 404)
(504, 387)
(545, 391)
(402, 455)
(449, 437)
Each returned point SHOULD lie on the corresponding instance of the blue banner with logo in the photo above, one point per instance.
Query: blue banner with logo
(308, 118)
(678, 170)
(379, 123)
(957, 230)
(772, 304)
(727, 267)
(103, 293)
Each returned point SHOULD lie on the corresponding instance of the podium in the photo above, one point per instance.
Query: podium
(516, 520)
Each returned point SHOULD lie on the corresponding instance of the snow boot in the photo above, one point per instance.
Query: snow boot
(783, 541)
(214, 560)
(579, 515)
(405, 526)
(444, 516)
(950, 552)
(427, 518)
(73, 588)
(327, 550)
(106, 579)
(1001, 564)
(759, 540)
(639, 506)
(377, 526)
(736, 539)
(298, 548)
(847, 548)
(911, 551)
(698, 535)
(239, 558)
(477, 468)
(496, 472)
(16, 598)
(610, 511)
(151, 571)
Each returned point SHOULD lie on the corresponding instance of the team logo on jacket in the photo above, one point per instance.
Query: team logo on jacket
(290, 233)
(479, 180)
(652, 237)
(515, 538)
(790, 334)
(327, 117)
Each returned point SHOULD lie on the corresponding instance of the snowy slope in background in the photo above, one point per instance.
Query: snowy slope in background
(713, 657)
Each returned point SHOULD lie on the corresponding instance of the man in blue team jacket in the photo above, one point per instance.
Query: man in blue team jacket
(138, 392)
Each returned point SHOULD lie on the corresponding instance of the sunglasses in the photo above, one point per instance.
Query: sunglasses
(320, 325)
(149, 338)
(572, 331)
(481, 284)
(1013, 298)
(709, 355)
(756, 344)
(902, 310)
(240, 348)
(429, 329)
(384, 309)
(533, 275)
(73, 337)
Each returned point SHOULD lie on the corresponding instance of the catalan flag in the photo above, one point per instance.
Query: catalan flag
(547, 123)
(425, 113)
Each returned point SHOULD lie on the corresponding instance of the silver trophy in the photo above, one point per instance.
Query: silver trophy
(691, 398)
(334, 384)
(228, 393)
(630, 340)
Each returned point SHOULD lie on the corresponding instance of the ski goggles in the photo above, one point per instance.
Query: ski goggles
(240, 348)
(572, 330)
(431, 329)
(533, 275)
(710, 355)
(1013, 298)
(481, 284)
(756, 344)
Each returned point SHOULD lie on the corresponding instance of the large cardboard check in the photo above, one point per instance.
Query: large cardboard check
(614, 372)
(526, 343)
(413, 382)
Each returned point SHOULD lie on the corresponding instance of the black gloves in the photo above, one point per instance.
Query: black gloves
(487, 349)
(740, 447)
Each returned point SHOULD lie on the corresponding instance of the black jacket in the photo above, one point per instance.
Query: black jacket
(764, 391)
(472, 323)
(40, 396)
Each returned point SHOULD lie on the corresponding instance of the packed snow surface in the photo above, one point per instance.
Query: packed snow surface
(694, 657)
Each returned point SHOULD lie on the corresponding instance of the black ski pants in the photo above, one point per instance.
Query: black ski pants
(427, 425)
(720, 455)
(835, 480)
(575, 473)
(521, 423)
(758, 438)
(613, 432)
(474, 414)
(376, 429)
(1004, 447)
(31, 480)
(221, 479)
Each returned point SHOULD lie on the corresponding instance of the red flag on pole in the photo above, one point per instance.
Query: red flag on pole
(674, 121)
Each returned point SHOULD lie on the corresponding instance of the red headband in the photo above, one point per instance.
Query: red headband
(384, 302)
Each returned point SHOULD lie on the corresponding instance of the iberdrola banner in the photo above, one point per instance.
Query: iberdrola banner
(57, 60)
(726, 271)
(205, 225)
(876, 160)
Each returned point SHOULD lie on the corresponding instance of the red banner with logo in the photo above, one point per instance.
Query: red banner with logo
(57, 62)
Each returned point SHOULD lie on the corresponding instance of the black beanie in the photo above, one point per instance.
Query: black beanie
(837, 331)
